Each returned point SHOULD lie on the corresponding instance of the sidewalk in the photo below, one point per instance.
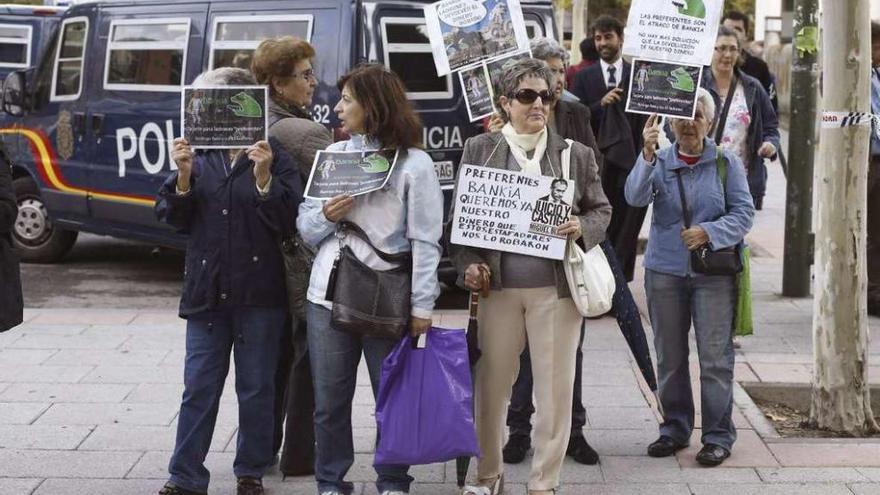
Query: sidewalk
(89, 399)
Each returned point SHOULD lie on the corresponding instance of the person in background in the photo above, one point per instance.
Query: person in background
(750, 128)
(677, 296)
(404, 216)
(530, 299)
(602, 84)
(751, 64)
(11, 302)
(234, 204)
(285, 66)
(589, 56)
(873, 182)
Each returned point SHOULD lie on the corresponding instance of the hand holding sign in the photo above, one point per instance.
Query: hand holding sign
(337, 207)
(571, 228)
(261, 154)
(651, 135)
(182, 155)
(612, 97)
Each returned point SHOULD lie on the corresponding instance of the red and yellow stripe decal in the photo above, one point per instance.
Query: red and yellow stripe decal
(46, 164)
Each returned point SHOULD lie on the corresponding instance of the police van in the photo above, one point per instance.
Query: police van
(89, 128)
(24, 33)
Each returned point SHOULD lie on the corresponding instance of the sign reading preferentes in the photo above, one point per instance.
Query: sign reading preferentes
(511, 211)
(681, 31)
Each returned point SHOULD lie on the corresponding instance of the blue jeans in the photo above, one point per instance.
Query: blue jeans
(707, 301)
(253, 335)
(335, 356)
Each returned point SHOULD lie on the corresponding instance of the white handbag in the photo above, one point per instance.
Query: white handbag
(589, 275)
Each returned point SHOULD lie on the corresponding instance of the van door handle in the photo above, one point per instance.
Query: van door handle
(98, 126)
(79, 125)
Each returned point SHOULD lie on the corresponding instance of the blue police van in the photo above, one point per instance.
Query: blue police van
(89, 128)
(24, 32)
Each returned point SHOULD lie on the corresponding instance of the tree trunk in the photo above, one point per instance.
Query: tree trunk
(841, 395)
(578, 28)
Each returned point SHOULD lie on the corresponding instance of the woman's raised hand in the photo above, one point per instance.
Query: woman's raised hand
(651, 135)
(182, 155)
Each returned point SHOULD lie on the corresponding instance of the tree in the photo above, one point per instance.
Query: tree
(840, 392)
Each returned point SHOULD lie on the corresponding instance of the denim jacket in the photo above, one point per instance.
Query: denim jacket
(405, 215)
(656, 182)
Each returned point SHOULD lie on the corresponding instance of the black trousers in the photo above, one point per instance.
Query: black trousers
(873, 251)
(626, 221)
(295, 405)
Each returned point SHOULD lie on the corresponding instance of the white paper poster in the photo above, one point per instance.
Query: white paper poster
(681, 31)
(511, 211)
(465, 33)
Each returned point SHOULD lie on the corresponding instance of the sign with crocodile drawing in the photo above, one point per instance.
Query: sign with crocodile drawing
(224, 117)
(663, 88)
(680, 31)
(352, 173)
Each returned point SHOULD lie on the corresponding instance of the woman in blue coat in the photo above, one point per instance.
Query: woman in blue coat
(235, 205)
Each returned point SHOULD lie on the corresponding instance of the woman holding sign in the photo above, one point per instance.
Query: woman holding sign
(745, 122)
(530, 298)
(701, 200)
(234, 204)
(403, 219)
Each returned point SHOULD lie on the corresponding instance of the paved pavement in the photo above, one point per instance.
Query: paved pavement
(89, 399)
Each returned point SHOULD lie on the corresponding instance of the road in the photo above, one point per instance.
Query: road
(103, 272)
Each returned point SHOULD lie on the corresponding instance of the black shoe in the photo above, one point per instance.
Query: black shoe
(249, 486)
(712, 455)
(665, 447)
(170, 489)
(580, 450)
(874, 308)
(517, 447)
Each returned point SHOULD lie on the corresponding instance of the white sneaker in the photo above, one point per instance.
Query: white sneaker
(394, 492)
(331, 493)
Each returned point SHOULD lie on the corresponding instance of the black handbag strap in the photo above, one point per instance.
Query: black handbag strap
(722, 119)
(344, 227)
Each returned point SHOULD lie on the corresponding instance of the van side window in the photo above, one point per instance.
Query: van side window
(15, 45)
(236, 37)
(407, 52)
(69, 59)
(146, 54)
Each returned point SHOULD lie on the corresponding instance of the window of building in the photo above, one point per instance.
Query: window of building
(146, 54)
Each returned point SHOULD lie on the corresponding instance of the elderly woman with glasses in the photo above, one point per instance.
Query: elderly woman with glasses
(720, 215)
(750, 127)
(530, 299)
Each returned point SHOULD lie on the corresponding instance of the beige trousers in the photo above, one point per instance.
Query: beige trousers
(507, 319)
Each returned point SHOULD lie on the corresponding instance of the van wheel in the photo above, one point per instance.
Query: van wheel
(37, 239)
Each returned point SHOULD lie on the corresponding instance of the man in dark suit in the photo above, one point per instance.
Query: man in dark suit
(602, 84)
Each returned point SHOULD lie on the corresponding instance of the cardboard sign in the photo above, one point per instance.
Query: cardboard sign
(680, 31)
(465, 33)
(335, 173)
(224, 117)
(663, 88)
(477, 90)
(511, 211)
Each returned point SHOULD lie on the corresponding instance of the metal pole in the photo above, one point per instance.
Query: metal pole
(801, 151)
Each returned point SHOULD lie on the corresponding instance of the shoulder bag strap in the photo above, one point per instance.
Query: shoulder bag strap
(684, 206)
(721, 166)
(344, 227)
(722, 119)
(566, 160)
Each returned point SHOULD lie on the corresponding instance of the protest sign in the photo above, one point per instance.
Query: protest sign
(495, 67)
(224, 117)
(681, 31)
(349, 172)
(465, 33)
(477, 92)
(663, 88)
(511, 211)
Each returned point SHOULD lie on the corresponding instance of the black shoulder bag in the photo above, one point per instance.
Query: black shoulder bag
(365, 301)
(727, 261)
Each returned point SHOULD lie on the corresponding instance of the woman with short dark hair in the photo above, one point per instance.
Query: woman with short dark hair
(405, 216)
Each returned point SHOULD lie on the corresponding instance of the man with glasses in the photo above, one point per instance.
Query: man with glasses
(751, 64)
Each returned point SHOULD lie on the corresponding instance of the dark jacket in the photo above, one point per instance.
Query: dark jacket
(11, 302)
(572, 121)
(758, 69)
(763, 128)
(590, 204)
(233, 257)
(589, 86)
(300, 135)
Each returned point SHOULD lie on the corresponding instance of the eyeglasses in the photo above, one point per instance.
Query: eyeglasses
(307, 74)
(727, 49)
(528, 96)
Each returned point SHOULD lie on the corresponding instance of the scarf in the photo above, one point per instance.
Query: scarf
(521, 144)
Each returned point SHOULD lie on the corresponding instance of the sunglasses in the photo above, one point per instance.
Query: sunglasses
(528, 96)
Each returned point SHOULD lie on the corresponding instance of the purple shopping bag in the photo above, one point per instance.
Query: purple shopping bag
(424, 410)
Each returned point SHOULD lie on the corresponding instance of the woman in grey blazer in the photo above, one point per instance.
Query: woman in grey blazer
(530, 298)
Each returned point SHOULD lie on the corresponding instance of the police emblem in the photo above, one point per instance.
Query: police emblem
(64, 136)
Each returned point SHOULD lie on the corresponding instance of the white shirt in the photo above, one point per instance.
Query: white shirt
(618, 72)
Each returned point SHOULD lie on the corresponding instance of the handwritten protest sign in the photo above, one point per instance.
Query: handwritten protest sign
(349, 172)
(465, 33)
(681, 31)
(511, 211)
(224, 117)
(663, 88)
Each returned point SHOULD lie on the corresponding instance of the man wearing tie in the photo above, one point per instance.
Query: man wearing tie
(599, 85)
(874, 181)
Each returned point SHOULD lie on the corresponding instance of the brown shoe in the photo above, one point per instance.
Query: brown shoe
(249, 486)
(170, 489)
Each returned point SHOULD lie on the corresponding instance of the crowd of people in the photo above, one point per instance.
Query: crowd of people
(261, 260)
